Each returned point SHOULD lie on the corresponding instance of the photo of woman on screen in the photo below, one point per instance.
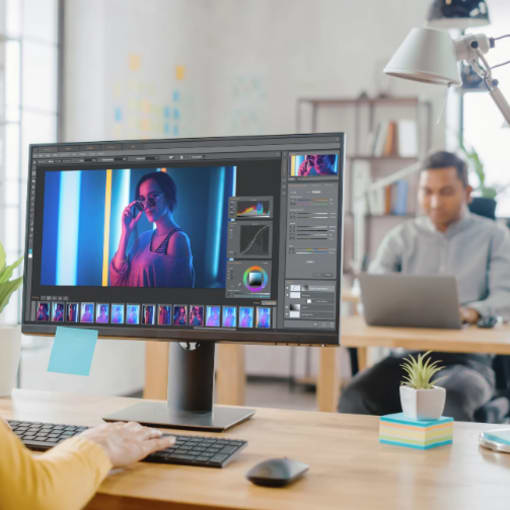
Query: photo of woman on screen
(318, 164)
(159, 257)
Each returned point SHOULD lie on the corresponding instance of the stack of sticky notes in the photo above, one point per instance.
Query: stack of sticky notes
(400, 430)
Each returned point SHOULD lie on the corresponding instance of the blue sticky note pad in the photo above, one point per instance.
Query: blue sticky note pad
(402, 418)
(73, 350)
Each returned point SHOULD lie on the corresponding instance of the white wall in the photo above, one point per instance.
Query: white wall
(244, 64)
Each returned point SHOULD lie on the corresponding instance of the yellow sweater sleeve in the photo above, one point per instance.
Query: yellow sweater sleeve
(63, 478)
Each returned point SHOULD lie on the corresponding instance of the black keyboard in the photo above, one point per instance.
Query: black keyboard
(190, 450)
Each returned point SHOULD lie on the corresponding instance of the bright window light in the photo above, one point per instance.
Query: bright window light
(482, 120)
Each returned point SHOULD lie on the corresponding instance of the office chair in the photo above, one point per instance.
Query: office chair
(497, 410)
(483, 207)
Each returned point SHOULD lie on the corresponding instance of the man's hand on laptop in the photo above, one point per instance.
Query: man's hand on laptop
(469, 315)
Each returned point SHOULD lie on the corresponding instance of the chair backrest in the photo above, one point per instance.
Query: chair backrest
(501, 366)
(483, 207)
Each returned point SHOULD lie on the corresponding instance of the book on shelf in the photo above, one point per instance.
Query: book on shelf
(399, 196)
(379, 139)
(407, 138)
(395, 138)
(390, 143)
(391, 199)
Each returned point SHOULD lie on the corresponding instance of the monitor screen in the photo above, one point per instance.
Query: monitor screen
(235, 239)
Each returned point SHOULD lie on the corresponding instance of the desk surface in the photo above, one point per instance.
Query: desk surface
(356, 333)
(348, 467)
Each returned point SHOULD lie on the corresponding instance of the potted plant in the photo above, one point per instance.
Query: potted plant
(420, 398)
(10, 335)
(485, 203)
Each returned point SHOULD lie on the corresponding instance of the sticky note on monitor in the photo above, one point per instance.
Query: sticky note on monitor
(73, 350)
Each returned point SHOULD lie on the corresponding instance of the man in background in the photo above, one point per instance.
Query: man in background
(447, 240)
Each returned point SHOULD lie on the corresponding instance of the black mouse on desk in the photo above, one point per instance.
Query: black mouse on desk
(487, 321)
(276, 472)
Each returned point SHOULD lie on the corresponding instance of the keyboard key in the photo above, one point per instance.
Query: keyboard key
(218, 459)
(228, 449)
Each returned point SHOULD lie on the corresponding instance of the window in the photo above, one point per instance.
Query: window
(482, 120)
(29, 57)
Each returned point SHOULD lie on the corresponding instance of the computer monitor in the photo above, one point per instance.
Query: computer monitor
(193, 241)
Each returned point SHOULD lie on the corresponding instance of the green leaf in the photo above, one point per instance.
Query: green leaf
(489, 192)
(419, 371)
(2, 257)
(6, 291)
(6, 273)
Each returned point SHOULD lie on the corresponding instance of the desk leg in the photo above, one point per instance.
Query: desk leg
(230, 374)
(328, 382)
(156, 370)
(362, 358)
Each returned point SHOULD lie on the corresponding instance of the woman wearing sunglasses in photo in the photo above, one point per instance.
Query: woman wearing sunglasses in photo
(159, 257)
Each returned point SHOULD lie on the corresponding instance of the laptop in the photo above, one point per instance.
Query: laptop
(411, 301)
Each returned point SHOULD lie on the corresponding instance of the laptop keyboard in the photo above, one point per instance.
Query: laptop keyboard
(190, 450)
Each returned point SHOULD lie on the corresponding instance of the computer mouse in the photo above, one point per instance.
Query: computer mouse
(276, 472)
(488, 321)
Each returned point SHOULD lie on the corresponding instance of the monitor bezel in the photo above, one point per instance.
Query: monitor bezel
(248, 336)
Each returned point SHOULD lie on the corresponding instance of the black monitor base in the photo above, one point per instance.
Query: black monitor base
(157, 414)
(190, 395)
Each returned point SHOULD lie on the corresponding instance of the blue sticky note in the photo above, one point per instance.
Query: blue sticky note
(166, 112)
(118, 114)
(73, 350)
(176, 95)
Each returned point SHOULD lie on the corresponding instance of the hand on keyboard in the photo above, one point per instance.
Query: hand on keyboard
(117, 439)
(126, 443)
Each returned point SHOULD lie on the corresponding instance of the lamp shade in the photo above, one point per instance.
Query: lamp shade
(426, 55)
(459, 14)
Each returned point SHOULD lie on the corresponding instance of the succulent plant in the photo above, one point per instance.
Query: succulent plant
(7, 286)
(419, 371)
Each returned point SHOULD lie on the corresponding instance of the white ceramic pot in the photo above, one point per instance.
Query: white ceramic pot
(422, 404)
(10, 348)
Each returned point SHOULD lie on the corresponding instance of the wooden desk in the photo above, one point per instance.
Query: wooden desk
(355, 333)
(348, 467)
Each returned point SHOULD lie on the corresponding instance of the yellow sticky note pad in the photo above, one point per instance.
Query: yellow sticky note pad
(179, 72)
(145, 106)
(134, 62)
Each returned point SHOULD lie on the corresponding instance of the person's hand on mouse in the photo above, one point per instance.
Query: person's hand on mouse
(125, 443)
(469, 315)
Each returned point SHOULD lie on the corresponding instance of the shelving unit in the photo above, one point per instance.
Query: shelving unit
(358, 118)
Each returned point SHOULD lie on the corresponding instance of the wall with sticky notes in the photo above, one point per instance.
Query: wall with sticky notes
(180, 68)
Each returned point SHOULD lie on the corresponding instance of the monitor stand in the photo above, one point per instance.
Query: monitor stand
(190, 395)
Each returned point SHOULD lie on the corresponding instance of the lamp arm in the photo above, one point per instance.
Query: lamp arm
(499, 99)
(492, 84)
(390, 179)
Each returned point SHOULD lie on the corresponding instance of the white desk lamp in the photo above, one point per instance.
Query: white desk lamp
(429, 55)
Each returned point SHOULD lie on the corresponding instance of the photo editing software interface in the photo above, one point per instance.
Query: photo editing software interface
(196, 238)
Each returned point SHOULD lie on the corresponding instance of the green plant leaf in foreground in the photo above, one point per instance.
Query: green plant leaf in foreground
(6, 290)
(6, 272)
(7, 286)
